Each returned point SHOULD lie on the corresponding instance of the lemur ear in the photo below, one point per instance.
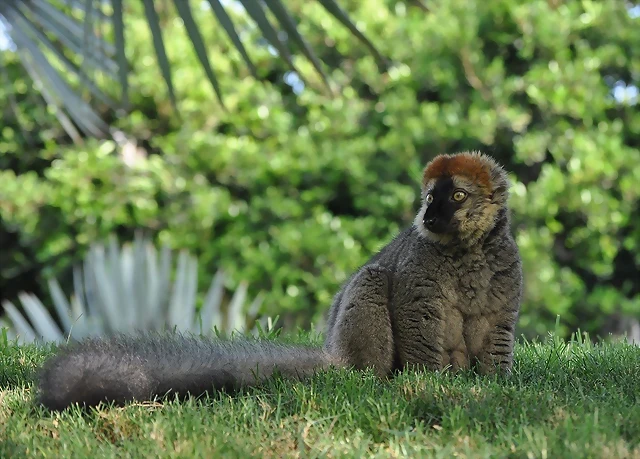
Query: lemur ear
(497, 193)
(500, 183)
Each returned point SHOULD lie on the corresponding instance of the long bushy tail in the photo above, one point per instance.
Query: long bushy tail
(126, 368)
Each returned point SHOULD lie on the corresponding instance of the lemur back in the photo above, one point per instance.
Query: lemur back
(444, 293)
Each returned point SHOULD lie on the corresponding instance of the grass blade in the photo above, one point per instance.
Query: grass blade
(7, 334)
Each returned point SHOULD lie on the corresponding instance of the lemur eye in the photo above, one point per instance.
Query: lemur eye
(429, 198)
(459, 196)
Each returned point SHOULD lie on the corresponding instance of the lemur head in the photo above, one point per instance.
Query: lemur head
(462, 195)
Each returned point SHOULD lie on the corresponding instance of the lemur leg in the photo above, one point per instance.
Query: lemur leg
(361, 335)
(497, 352)
(491, 340)
(419, 332)
(455, 349)
(458, 359)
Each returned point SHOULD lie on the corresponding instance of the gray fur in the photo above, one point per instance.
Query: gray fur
(125, 368)
(451, 299)
(425, 299)
(444, 305)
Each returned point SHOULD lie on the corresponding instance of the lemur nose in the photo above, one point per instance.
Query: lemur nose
(432, 221)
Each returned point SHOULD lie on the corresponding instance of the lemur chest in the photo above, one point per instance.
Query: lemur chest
(465, 286)
(469, 306)
(461, 283)
(458, 289)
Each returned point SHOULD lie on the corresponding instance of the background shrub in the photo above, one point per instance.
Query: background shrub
(291, 189)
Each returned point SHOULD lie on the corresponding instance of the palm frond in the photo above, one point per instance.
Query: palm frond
(71, 32)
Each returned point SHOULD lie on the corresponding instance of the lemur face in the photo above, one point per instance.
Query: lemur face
(462, 195)
(442, 200)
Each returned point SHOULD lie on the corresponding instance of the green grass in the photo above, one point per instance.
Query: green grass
(562, 400)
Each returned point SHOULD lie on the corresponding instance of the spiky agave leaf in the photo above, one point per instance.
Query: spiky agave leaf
(129, 289)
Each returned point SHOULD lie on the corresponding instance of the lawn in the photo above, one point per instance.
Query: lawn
(563, 400)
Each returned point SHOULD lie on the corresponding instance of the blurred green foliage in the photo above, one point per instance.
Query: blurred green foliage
(291, 189)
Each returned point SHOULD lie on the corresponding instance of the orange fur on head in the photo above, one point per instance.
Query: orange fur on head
(473, 166)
